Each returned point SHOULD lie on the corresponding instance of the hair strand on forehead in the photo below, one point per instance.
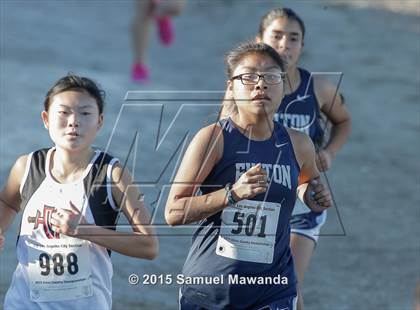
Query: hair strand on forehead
(274, 14)
(235, 56)
(72, 82)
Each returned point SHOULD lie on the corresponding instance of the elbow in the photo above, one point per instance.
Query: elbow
(173, 216)
(349, 122)
(153, 249)
(171, 219)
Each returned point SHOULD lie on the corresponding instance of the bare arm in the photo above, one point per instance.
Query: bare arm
(305, 154)
(10, 196)
(141, 243)
(332, 105)
(311, 191)
(204, 151)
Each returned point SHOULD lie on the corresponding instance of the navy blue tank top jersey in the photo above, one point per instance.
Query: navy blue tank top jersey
(300, 110)
(241, 246)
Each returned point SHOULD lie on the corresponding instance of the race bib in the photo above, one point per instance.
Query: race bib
(59, 269)
(248, 231)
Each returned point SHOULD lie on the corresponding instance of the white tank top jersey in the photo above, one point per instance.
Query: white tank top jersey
(55, 271)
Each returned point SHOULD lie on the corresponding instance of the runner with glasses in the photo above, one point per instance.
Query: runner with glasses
(254, 78)
(305, 97)
(247, 169)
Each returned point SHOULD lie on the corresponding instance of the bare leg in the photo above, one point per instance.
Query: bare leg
(140, 30)
(302, 250)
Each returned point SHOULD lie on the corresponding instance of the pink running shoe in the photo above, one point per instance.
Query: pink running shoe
(166, 30)
(140, 73)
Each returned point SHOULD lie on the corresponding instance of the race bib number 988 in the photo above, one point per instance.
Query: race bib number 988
(59, 270)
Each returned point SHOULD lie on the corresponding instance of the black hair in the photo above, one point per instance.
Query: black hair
(76, 83)
(234, 57)
(274, 14)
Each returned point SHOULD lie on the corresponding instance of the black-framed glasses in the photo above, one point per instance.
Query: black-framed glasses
(254, 78)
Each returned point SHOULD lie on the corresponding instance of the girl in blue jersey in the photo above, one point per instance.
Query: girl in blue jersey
(305, 96)
(70, 196)
(248, 169)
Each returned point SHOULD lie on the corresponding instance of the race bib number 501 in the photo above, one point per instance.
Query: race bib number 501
(248, 231)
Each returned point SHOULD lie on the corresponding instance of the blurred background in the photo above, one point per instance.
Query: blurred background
(368, 256)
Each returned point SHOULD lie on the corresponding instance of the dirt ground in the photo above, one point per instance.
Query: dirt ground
(368, 256)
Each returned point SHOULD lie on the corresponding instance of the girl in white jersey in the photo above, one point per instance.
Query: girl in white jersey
(70, 196)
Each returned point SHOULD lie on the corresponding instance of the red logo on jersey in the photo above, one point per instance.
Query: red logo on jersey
(45, 220)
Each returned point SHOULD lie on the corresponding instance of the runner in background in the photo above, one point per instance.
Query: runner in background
(160, 11)
(71, 196)
(306, 97)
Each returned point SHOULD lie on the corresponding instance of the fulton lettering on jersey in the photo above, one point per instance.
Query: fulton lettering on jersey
(301, 122)
(279, 174)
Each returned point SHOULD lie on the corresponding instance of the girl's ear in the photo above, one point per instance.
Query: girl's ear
(258, 39)
(100, 121)
(44, 117)
(229, 86)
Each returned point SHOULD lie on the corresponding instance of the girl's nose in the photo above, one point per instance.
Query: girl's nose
(73, 121)
(283, 44)
(261, 84)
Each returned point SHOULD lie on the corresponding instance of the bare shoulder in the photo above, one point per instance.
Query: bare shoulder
(211, 133)
(120, 175)
(302, 145)
(18, 169)
(323, 85)
(209, 140)
(122, 181)
(325, 91)
(10, 195)
(21, 162)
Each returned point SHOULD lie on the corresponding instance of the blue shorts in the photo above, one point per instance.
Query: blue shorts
(283, 304)
(307, 224)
